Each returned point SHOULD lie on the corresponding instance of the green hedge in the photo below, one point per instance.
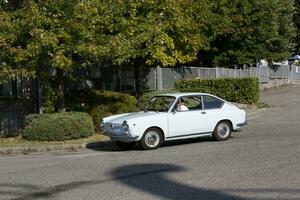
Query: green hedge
(148, 95)
(58, 126)
(100, 103)
(241, 90)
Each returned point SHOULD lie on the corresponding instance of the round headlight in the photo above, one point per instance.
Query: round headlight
(125, 125)
(101, 124)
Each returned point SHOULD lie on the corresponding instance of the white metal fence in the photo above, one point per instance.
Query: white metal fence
(166, 77)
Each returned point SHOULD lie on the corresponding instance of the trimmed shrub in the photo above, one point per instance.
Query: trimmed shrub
(58, 126)
(100, 104)
(241, 90)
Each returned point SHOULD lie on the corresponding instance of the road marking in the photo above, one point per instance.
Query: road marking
(257, 111)
(256, 116)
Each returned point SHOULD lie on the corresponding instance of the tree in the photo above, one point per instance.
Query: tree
(250, 30)
(42, 39)
(152, 33)
(63, 36)
(296, 20)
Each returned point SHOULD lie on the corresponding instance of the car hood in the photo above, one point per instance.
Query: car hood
(132, 116)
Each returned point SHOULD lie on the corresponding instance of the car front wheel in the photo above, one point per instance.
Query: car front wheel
(151, 139)
(222, 131)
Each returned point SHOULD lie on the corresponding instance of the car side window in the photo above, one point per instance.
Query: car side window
(189, 103)
(210, 102)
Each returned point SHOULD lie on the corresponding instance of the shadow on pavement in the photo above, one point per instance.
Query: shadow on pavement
(111, 146)
(102, 146)
(150, 179)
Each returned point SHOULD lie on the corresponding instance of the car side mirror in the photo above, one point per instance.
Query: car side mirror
(174, 111)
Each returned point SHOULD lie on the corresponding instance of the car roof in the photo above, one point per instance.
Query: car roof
(183, 94)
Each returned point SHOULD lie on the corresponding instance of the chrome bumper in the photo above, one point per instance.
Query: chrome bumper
(242, 124)
(122, 137)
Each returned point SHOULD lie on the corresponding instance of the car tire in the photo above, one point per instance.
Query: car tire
(152, 139)
(222, 131)
(125, 145)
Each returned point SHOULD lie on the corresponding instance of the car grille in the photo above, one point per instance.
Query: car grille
(112, 128)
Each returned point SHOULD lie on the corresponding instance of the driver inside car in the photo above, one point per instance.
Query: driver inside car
(180, 106)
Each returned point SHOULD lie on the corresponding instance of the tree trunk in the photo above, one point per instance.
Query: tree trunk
(60, 105)
(138, 91)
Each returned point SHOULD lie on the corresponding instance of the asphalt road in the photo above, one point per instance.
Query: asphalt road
(261, 162)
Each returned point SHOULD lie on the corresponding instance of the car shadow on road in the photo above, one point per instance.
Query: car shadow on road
(102, 146)
(111, 146)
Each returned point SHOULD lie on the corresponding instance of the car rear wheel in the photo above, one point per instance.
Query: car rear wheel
(151, 139)
(222, 131)
(125, 145)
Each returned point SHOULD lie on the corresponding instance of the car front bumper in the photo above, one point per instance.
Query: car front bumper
(242, 124)
(122, 137)
(117, 132)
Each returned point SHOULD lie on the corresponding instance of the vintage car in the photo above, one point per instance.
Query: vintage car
(175, 116)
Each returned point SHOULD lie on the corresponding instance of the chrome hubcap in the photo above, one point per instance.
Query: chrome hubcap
(223, 130)
(152, 139)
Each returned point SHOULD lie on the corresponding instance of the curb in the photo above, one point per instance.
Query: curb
(49, 148)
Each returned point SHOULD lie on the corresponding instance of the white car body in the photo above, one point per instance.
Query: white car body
(130, 127)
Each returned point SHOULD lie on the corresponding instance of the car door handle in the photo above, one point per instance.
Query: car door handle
(203, 113)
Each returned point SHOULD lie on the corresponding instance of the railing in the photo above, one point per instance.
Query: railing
(11, 123)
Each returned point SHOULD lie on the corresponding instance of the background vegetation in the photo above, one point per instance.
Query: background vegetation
(241, 90)
(58, 126)
(100, 104)
(54, 39)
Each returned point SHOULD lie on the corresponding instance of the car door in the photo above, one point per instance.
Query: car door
(189, 122)
(212, 109)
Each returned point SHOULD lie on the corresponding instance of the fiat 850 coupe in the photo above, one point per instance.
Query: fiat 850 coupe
(175, 116)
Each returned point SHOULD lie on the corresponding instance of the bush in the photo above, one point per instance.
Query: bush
(49, 96)
(58, 126)
(100, 104)
(147, 96)
(241, 90)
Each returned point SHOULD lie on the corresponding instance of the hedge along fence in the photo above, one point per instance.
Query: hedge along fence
(100, 104)
(58, 126)
(240, 90)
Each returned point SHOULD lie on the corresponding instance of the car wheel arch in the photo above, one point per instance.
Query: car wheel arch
(158, 128)
(226, 120)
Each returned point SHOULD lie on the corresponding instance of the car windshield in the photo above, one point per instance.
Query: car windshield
(160, 104)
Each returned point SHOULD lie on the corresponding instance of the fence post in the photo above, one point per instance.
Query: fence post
(158, 78)
(217, 72)
(291, 70)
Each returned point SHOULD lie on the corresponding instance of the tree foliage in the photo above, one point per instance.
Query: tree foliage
(71, 34)
(250, 30)
(296, 20)
(55, 38)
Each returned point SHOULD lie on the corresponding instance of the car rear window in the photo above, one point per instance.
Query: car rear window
(210, 102)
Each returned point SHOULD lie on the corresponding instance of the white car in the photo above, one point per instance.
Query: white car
(175, 116)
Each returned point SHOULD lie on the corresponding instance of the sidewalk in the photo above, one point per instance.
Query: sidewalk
(94, 143)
